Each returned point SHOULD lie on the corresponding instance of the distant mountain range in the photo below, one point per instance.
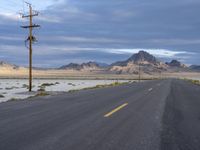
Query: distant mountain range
(142, 60)
(195, 67)
(8, 65)
(83, 66)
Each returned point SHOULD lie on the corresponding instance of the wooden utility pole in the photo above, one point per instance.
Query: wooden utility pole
(31, 39)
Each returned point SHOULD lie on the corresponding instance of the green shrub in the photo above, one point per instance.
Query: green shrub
(47, 84)
(71, 84)
(9, 88)
(41, 89)
(25, 86)
(72, 91)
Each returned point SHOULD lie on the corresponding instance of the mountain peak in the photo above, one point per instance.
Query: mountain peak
(89, 65)
(142, 56)
(175, 63)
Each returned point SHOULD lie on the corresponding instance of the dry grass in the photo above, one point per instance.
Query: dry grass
(101, 86)
(42, 93)
(196, 82)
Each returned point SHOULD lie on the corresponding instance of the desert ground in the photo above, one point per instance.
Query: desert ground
(74, 74)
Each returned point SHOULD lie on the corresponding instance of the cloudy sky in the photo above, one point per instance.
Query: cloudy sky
(101, 30)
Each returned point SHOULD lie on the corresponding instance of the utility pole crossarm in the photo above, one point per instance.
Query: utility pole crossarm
(27, 16)
(33, 26)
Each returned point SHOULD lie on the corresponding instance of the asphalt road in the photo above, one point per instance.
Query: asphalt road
(153, 115)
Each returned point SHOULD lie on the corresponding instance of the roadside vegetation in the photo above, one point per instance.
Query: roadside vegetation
(11, 88)
(196, 82)
(42, 88)
(1, 96)
(41, 93)
(14, 99)
(25, 86)
(102, 86)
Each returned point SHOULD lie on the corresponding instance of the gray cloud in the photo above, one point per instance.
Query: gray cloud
(114, 24)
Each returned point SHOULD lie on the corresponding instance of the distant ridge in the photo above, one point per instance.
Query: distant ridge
(83, 66)
(8, 65)
(176, 63)
(195, 67)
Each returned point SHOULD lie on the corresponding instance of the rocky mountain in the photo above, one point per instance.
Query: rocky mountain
(141, 57)
(71, 66)
(83, 66)
(103, 65)
(142, 60)
(176, 63)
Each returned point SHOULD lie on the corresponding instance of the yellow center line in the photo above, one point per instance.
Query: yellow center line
(115, 110)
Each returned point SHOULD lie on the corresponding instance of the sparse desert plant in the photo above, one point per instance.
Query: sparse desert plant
(101, 86)
(71, 84)
(42, 93)
(8, 88)
(25, 86)
(13, 99)
(44, 85)
(47, 84)
(196, 82)
(41, 89)
(1, 96)
(15, 87)
(72, 91)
